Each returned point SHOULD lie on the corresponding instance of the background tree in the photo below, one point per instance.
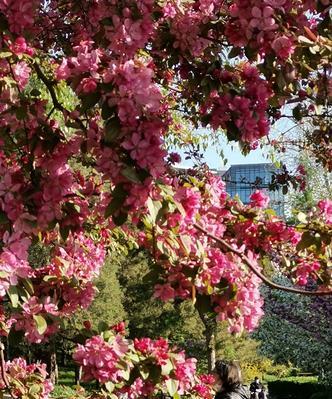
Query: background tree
(297, 329)
(107, 305)
(147, 316)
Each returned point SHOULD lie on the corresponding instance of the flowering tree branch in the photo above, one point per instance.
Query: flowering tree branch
(257, 272)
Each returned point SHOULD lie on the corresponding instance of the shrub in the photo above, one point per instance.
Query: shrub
(296, 390)
(322, 395)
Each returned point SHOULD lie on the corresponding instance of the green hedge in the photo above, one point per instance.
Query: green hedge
(295, 390)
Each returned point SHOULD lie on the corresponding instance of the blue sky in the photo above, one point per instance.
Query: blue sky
(233, 154)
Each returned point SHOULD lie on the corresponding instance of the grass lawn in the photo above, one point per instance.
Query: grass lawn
(66, 385)
(299, 379)
(66, 376)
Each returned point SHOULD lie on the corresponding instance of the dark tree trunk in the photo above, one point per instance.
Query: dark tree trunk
(78, 374)
(52, 364)
(209, 333)
(210, 345)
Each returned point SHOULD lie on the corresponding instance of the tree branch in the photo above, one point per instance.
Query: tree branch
(49, 84)
(50, 87)
(257, 272)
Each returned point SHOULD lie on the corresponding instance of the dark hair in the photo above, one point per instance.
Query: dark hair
(229, 373)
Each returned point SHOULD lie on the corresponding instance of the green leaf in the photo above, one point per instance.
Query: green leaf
(153, 275)
(172, 386)
(5, 54)
(304, 39)
(134, 357)
(102, 326)
(144, 371)
(21, 113)
(28, 285)
(302, 217)
(154, 207)
(126, 374)
(131, 174)
(90, 100)
(41, 323)
(234, 52)
(270, 212)
(281, 82)
(109, 386)
(64, 232)
(112, 130)
(3, 218)
(13, 296)
(307, 240)
(155, 373)
(186, 242)
(35, 388)
(107, 22)
(35, 93)
(297, 112)
(120, 218)
(203, 303)
(232, 291)
(119, 195)
(223, 283)
(167, 368)
(107, 111)
(50, 278)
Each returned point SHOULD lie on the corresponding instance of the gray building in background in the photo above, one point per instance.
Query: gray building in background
(243, 180)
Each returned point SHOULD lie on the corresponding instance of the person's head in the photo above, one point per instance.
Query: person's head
(257, 380)
(227, 374)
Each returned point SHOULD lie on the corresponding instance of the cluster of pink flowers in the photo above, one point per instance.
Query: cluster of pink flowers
(187, 21)
(234, 292)
(243, 113)
(258, 24)
(19, 10)
(104, 360)
(127, 64)
(86, 61)
(325, 207)
(99, 358)
(259, 199)
(22, 377)
(66, 280)
(305, 271)
(194, 261)
(185, 27)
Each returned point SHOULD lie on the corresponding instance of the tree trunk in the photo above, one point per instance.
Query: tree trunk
(210, 345)
(53, 365)
(209, 333)
(78, 374)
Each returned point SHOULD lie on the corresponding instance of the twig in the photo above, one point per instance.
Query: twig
(253, 268)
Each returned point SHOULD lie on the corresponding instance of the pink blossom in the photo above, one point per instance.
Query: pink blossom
(283, 46)
(29, 376)
(263, 18)
(326, 207)
(88, 85)
(21, 73)
(20, 46)
(165, 292)
(259, 199)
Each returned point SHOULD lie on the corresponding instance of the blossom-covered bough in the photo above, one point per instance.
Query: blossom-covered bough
(90, 92)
